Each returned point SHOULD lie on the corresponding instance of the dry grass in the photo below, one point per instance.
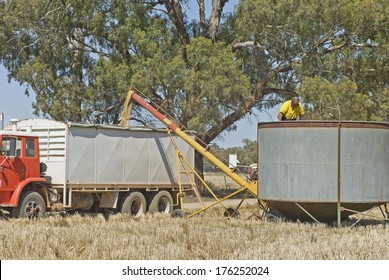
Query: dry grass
(206, 237)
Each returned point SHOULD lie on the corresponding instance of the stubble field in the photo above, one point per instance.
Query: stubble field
(208, 236)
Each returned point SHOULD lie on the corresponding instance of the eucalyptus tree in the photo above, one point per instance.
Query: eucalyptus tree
(80, 57)
(72, 54)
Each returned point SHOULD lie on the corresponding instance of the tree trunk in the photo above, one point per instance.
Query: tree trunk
(174, 10)
(199, 168)
(203, 31)
(217, 8)
(76, 70)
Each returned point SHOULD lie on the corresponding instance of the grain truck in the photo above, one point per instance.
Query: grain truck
(50, 166)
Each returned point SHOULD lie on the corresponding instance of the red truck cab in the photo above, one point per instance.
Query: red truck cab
(21, 186)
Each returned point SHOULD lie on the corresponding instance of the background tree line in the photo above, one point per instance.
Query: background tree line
(80, 58)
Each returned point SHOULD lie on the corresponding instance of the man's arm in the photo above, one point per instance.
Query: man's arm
(283, 110)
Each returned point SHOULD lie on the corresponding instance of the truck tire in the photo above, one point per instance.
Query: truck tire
(161, 202)
(31, 206)
(133, 203)
(178, 213)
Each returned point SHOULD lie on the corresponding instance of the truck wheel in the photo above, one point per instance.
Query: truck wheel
(134, 203)
(31, 206)
(178, 213)
(161, 202)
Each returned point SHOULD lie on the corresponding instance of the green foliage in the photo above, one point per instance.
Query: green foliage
(334, 52)
(215, 81)
(203, 94)
(74, 54)
(333, 101)
(381, 108)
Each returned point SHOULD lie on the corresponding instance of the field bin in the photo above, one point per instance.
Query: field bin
(314, 169)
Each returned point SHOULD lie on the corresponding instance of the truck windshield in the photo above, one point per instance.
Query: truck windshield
(11, 146)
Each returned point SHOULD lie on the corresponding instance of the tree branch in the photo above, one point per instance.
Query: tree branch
(334, 48)
(258, 93)
(217, 8)
(278, 91)
(151, 3)
(202, 17)
(89, 48)
(174, 10)
(227, 121)
(28, 46)
(235, 45)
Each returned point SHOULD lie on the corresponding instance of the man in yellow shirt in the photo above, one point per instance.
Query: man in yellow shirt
(291, 110)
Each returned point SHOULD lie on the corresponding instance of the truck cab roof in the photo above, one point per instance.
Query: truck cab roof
(18, 133)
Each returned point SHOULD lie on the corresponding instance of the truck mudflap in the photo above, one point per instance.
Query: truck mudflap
(19, 188)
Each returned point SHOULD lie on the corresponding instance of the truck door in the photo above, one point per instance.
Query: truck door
(30, 157)
(12, 168)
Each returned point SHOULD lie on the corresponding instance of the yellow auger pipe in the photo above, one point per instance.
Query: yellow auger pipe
(251, 187)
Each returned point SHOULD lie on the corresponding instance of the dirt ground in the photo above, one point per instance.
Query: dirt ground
(227, 203)
(220, 180)
(221, 185)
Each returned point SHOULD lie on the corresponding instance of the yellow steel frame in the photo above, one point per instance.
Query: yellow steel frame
(251, 187)
(185, 165)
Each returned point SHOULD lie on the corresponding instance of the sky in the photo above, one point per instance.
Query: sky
(15, 104)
